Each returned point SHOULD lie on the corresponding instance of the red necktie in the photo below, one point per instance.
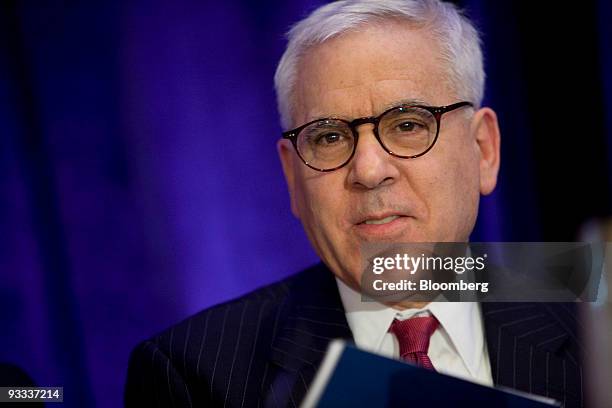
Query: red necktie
(413, 337)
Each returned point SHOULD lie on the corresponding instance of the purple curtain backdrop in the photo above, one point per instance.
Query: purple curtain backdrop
(140, 181)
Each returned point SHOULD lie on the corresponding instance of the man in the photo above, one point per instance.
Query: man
(385, 142)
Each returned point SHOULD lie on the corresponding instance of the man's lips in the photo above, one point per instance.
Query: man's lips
(379, 219)
(386, 227)
(382, 226)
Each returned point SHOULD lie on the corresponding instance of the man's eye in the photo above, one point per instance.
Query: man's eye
(328, 138)
(408, 126)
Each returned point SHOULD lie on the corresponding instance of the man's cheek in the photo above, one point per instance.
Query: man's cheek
(308, 199)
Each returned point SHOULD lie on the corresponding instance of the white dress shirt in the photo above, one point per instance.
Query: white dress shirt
(456, 348)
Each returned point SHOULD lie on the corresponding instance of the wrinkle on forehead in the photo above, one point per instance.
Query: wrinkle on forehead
(372, 105)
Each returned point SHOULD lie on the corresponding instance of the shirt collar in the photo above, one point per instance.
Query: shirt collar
(369, 321)
(462, 322)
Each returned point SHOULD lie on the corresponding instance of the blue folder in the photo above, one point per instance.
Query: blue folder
(350, 377)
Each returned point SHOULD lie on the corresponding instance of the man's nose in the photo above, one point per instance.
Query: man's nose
(371, 166)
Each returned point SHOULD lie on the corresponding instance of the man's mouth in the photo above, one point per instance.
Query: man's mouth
(389, 225)
(381, 221)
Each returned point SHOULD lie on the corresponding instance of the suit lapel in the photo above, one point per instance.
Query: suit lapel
(312, 316)
(533, 347)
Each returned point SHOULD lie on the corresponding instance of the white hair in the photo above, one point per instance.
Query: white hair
(457, 38)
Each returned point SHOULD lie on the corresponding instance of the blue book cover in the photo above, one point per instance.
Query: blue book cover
(350, 377)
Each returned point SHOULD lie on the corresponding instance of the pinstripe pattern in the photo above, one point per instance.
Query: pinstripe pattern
(248, 373)
(264, 348)
(229, 382)
(534, 347)
(220, 344)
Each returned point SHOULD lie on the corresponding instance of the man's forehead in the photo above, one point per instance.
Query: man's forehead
(364, 72)
(366, 100)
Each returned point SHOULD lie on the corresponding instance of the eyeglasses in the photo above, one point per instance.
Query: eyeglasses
(405, 131)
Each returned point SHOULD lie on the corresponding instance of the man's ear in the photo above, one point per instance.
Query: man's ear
(287, 157)
(485, 129)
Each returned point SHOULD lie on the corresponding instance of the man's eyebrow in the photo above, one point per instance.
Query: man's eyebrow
(409, 101)
(401, 102)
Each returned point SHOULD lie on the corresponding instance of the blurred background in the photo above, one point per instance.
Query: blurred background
(139, 181)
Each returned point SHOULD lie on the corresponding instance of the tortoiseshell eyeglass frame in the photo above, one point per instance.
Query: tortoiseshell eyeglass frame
(436, 111)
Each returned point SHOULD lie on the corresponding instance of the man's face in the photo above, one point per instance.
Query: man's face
(428, 199)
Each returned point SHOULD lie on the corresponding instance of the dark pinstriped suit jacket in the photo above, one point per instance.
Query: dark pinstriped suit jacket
(264, 348)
